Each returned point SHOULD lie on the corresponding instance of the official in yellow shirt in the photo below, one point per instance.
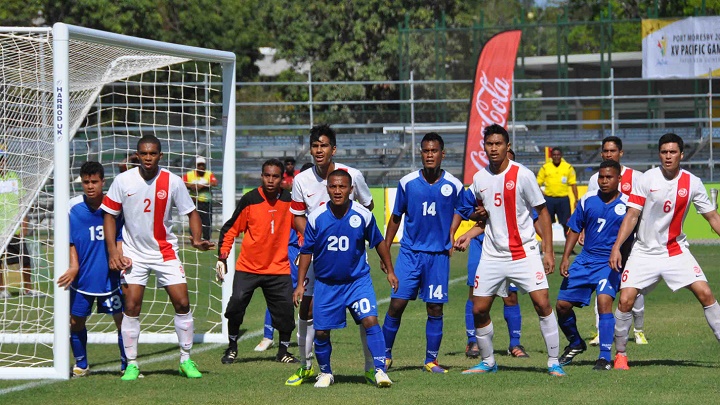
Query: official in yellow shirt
(199, 183)
(558, 177)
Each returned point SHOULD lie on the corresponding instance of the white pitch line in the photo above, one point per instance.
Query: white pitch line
(165, 357)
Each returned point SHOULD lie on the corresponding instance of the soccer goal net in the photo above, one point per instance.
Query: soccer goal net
(69, 95)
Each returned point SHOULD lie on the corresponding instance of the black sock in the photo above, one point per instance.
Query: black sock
(284, 343)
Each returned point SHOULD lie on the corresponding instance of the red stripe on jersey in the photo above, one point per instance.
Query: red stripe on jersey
(636, 199)
(626, 182)
(681, 203)
(162, 196)
(115, 206)
(510, 204)
(298, 206)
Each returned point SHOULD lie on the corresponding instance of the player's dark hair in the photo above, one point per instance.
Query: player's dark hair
(556, 149)
(306, 166)
(149, 139)
(612, 164)
(341, 173)
(323, 129)
(289, 159)
(273, 162)
(671, 138)
(614, 139)
(89, 168)
(433, 136)
(511, 152)
(496, 129)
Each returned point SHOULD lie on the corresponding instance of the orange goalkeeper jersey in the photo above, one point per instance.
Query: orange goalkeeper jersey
(266, 225)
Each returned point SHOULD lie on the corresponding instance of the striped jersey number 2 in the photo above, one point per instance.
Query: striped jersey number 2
(428, 209)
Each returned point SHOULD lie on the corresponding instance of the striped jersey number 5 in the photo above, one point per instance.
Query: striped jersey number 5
(498, 199)
(428, 209)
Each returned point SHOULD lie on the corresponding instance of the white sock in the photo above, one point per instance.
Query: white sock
(549, 330)
(484, 338)
(130, 329)
(712, 314)
(623, 320)
(638, 312)
(597, 317)
(185, 329)
(369, 365)
(309, 339)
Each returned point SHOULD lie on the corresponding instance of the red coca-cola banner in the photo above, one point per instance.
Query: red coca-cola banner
(490, 102)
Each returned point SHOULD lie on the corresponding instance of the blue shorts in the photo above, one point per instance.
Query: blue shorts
(293, 252)
(81, 304)
(588, 274)
(422, 274)
(331, 300)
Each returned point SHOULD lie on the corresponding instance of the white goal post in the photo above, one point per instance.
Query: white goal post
(70, 94)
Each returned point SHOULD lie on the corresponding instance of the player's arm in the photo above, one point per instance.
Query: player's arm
(713, 219)
(570, 241)
(463, 241)
(116, 261)
(541, 176)
(383, 252)
(196, 232)
(300, 222)
(453, 229)
(626, 229)
(546, 232)
(392, 228)
(69, 276)
(575, 193)
(304, 260)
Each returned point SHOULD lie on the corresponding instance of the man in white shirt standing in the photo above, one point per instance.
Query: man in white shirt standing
(145, 195)
(663, 196)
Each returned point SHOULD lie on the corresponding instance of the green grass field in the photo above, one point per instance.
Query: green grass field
(680, 365)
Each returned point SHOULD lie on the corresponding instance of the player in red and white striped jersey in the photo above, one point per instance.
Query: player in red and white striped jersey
(612, 149)
(145, 195)
(508, 191)
(663, 196)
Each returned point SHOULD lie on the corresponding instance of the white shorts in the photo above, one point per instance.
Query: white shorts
(167, 273)
(644, 272)
(492, 276)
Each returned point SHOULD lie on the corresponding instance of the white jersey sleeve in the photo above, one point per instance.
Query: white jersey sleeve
(593, 183)
(700, 198)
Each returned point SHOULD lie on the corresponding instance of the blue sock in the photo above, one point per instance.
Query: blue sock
(323, 350)
(376, 344)
(78, 342)
(123, 358)
(569, 328)
(470, 322)
(607, 332)
(513, 317)
(434, 334)
(390, 328)
(268, 330)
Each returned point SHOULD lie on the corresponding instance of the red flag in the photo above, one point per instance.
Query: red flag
(490, 102)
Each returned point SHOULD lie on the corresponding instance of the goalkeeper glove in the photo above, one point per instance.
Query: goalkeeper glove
(221, 268)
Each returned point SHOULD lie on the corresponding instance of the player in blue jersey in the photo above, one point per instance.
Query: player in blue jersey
(511, 307)
(335, 237)
(89, 277)
(600, 214)
(427, 199)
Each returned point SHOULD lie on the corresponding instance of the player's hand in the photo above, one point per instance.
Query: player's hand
(564, 266)
(393, 280)
(202, 244)
(67, 278)
(462, 243)
(220, 270)
(616, 260)
(581, 238)
(549, 262)
(298, 294)
(383, 268)
(119, 262)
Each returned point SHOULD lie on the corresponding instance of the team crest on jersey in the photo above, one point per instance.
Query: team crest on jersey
(539, 275)
(682, 192)
(355, 221)
(161, 195)
(446, 190)
(510, 185)
(620, 209)
(697, 270)
(626, 188)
